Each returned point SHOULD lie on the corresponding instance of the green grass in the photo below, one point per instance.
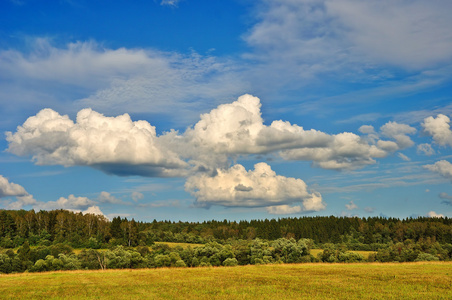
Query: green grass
(310, 281)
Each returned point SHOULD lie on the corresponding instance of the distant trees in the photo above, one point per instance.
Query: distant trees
(93, 231)
(44, 241)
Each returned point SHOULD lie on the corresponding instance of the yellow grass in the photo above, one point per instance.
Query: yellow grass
(302, 281)
(183, 245)
(171, 245)
(363, 253)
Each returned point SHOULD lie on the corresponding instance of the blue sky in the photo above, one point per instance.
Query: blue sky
(199, 110)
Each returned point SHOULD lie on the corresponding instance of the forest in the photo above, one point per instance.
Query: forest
(66, 240)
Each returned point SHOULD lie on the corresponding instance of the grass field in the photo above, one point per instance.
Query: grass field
(311, 281)
(366, 254)
(183, 245)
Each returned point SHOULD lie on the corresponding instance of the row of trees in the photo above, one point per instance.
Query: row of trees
(78, 230)
(237, 252)
(62, 257)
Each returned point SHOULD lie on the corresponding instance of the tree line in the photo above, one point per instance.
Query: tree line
(94, 231)
(236, 252)
(44, 241)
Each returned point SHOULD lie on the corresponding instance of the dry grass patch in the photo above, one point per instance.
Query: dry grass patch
(312, 281)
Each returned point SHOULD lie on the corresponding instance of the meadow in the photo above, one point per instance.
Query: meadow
(423, 280)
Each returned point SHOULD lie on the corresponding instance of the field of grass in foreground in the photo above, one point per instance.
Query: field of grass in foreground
(314, 281)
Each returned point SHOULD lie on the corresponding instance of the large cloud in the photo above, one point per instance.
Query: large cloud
(260, 187)
(439, 129)
(112, 144)
(237, 128)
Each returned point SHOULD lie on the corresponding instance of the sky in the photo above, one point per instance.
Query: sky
(227, 109)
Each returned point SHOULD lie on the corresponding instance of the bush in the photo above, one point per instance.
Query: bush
(230, 262)
(426, 257)
(180, 264)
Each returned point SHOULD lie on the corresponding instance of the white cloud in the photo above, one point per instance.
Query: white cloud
(8, 189)
(404, 157)
(95, 210)
(106, 197)
(346, 151)
(260, 187)
(11, 189)
(442, 167)
(439, 129)
(425, 149)
(399, 133)
(71, 203)
(351, 205)
(237, 128)
(433, 214)
(22, 201)
(111, 144)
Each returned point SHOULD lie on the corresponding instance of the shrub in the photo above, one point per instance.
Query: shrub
(426, 257)
(230, 262)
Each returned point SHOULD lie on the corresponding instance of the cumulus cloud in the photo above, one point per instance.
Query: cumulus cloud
(237, 128)
(94, 210)
(106, 197)
(71, 202)
(260, 187)
(8, 189)
(22, 201)
(433, 214)
(439, 129)
(442, 167)
(11, 189)
(111, 144)
(425, 149)
(399, 132)
(351, 205)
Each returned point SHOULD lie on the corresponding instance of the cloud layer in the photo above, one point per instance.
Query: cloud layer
(204, 152)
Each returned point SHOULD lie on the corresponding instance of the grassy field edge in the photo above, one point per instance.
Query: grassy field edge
(425, 280)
